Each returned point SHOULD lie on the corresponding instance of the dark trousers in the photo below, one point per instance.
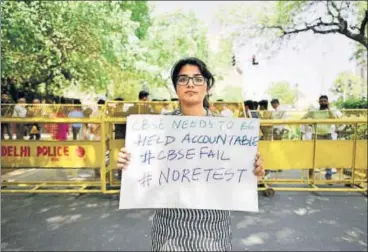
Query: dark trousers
(328, 170)
(76, 131)
(19, 131)
(6, 127)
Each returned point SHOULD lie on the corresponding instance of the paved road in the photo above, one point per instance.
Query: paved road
(288, 221)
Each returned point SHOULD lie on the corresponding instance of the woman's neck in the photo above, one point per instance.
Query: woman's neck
(194, 110)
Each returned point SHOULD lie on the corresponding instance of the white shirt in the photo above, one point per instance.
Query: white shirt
(19, 111)
(276, 114)
(226, 113)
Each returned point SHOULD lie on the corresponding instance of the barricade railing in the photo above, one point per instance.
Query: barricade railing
(292, 164)
(51, 162)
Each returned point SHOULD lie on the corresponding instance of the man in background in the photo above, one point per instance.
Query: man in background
(142, 107)
(76, 113)
(278, 130)
(6, 111)
(35, 110)
(323, 131)
(20, 111)
(248, 106)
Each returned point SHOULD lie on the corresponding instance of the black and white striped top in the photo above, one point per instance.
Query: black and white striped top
(191, 229)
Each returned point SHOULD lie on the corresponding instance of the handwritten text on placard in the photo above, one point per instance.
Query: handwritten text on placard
(190, 162)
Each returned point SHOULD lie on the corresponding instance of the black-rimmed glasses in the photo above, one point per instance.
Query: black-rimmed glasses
(184, 80)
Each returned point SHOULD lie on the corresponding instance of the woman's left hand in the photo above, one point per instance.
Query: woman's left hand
(258, 167)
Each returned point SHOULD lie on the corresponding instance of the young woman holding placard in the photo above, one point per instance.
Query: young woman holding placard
(191, 229)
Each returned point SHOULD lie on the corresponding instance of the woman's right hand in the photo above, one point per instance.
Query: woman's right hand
(123, 159)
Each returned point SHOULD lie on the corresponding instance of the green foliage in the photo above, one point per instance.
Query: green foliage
(171, 37)
(353, 103)
(140, 14)
(87, 44)
(283, 92)
(341, 85)
(99, 47)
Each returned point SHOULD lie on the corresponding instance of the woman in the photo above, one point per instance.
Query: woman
(191, 229)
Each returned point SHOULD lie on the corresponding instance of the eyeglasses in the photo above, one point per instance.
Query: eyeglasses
(184, 80)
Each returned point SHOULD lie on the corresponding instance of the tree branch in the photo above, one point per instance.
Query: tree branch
(364, 23)
(329, 10)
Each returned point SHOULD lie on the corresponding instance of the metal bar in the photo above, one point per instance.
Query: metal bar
(50, 191)
(49, 120)
(314, 151)
(52, 183)
(354, 152)
(112, 191)
(45, 167)
(103, 161)
(264, 122)
(293, 189)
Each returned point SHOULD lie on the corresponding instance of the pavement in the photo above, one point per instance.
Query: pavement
(291, 221)
(288, 221)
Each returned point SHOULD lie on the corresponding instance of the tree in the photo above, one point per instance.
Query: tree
(348, 85)
(276, 23)
(229, 94)
(169, 38)
(290, 18)
(58, 44)
(283, 92)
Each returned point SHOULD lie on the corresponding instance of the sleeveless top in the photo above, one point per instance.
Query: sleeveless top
(191, 229)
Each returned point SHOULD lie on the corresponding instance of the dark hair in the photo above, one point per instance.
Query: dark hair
(142, 94)
(275, 101)
(323, 97)
(164, 99)
(119, 99)
(220, 100)
(263, 103)
(101, 102)
(174, 99)
(255, 105)
(249, 103)
(78, 102)
(202, 68)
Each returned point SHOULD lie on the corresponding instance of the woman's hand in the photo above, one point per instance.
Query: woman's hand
(123, 159)
(258, 167)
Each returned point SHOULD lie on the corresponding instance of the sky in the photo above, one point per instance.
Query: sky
(313, 67)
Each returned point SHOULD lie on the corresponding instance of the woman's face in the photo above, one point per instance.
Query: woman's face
(191, 91)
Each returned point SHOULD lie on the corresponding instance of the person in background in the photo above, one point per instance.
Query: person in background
(323, 131)
(35, 111)
(142, 107)
(225, 112)
(165, 107)
(278, 130)
(93, 131)
(20, 111)
(6, 111)
(62, 129)
(120, 129)
(248, 106)
(213, 109)
(266, 130)
(76, 113)
(191, 229)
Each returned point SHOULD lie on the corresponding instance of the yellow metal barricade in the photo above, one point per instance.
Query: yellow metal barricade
(299, 165)
(294, 164)
(52, 158)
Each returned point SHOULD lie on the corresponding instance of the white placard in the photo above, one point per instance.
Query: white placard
(190, 162)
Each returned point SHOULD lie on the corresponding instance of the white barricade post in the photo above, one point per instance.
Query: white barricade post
(190, 162)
